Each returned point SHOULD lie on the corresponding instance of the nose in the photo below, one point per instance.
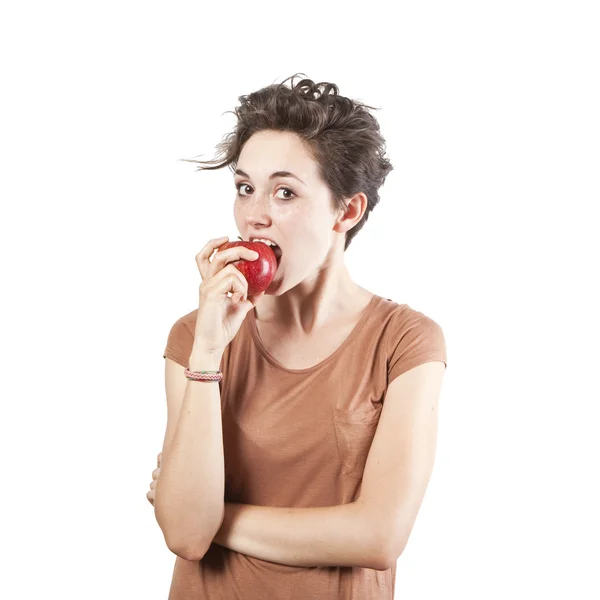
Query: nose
(257, 210)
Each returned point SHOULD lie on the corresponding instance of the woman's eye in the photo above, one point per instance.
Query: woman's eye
(286, 190)
(239, 186)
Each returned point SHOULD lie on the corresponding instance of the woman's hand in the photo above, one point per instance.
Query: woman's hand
(219, 316)
(155, 476)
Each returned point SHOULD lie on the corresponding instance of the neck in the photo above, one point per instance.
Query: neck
(312, 305)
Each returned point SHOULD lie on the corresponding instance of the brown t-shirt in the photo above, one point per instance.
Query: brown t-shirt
(300, 438)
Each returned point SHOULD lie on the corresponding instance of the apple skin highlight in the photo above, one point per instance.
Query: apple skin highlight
(259, 273)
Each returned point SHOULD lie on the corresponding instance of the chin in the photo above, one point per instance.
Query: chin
(278, 290)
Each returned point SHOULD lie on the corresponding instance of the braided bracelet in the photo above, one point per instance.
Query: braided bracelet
(203, 375)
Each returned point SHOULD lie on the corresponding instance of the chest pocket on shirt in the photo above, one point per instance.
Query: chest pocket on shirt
(354, 430)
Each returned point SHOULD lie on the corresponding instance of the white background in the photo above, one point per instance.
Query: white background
(487, 225)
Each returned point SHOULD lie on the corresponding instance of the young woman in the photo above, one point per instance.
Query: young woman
(298, 469)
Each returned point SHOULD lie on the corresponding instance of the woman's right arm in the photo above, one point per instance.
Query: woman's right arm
(189, 501)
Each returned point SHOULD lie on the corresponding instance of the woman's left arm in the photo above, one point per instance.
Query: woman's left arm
(305, 537)
(372, 531)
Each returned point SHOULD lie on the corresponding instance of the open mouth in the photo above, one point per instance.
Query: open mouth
(276, 251)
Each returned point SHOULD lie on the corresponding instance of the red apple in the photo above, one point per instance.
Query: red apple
(259, 273)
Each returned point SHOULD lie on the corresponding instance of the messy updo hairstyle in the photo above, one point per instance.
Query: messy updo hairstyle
(339, 133)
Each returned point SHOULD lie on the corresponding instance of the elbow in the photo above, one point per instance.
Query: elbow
(384, 562)
(189, 553)
(381, 561)
(387, 550)
(184, 548)
(181, 543)
(191, 550)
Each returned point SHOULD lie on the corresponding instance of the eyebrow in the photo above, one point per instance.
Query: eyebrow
(273, 176)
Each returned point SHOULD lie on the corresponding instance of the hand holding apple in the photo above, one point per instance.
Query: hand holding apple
(259, 273)
(219, 316)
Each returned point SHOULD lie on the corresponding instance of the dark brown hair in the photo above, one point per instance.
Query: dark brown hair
(341, 135)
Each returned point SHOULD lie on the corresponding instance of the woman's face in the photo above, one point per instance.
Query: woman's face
(295, 214)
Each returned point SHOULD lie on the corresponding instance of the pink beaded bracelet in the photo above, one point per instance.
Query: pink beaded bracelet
(203, 375)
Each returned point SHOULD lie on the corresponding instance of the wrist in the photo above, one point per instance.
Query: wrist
(205, 361)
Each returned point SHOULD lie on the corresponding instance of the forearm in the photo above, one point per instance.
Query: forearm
(189, 500)
(305, 537)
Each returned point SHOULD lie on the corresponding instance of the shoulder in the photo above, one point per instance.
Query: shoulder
(413, 338)
(399, 319)
(405, 318)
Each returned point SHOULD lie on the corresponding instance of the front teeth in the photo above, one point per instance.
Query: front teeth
(268, 242)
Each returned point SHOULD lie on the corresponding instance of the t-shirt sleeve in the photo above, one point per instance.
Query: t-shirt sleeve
(416, 339)
(179, 343)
